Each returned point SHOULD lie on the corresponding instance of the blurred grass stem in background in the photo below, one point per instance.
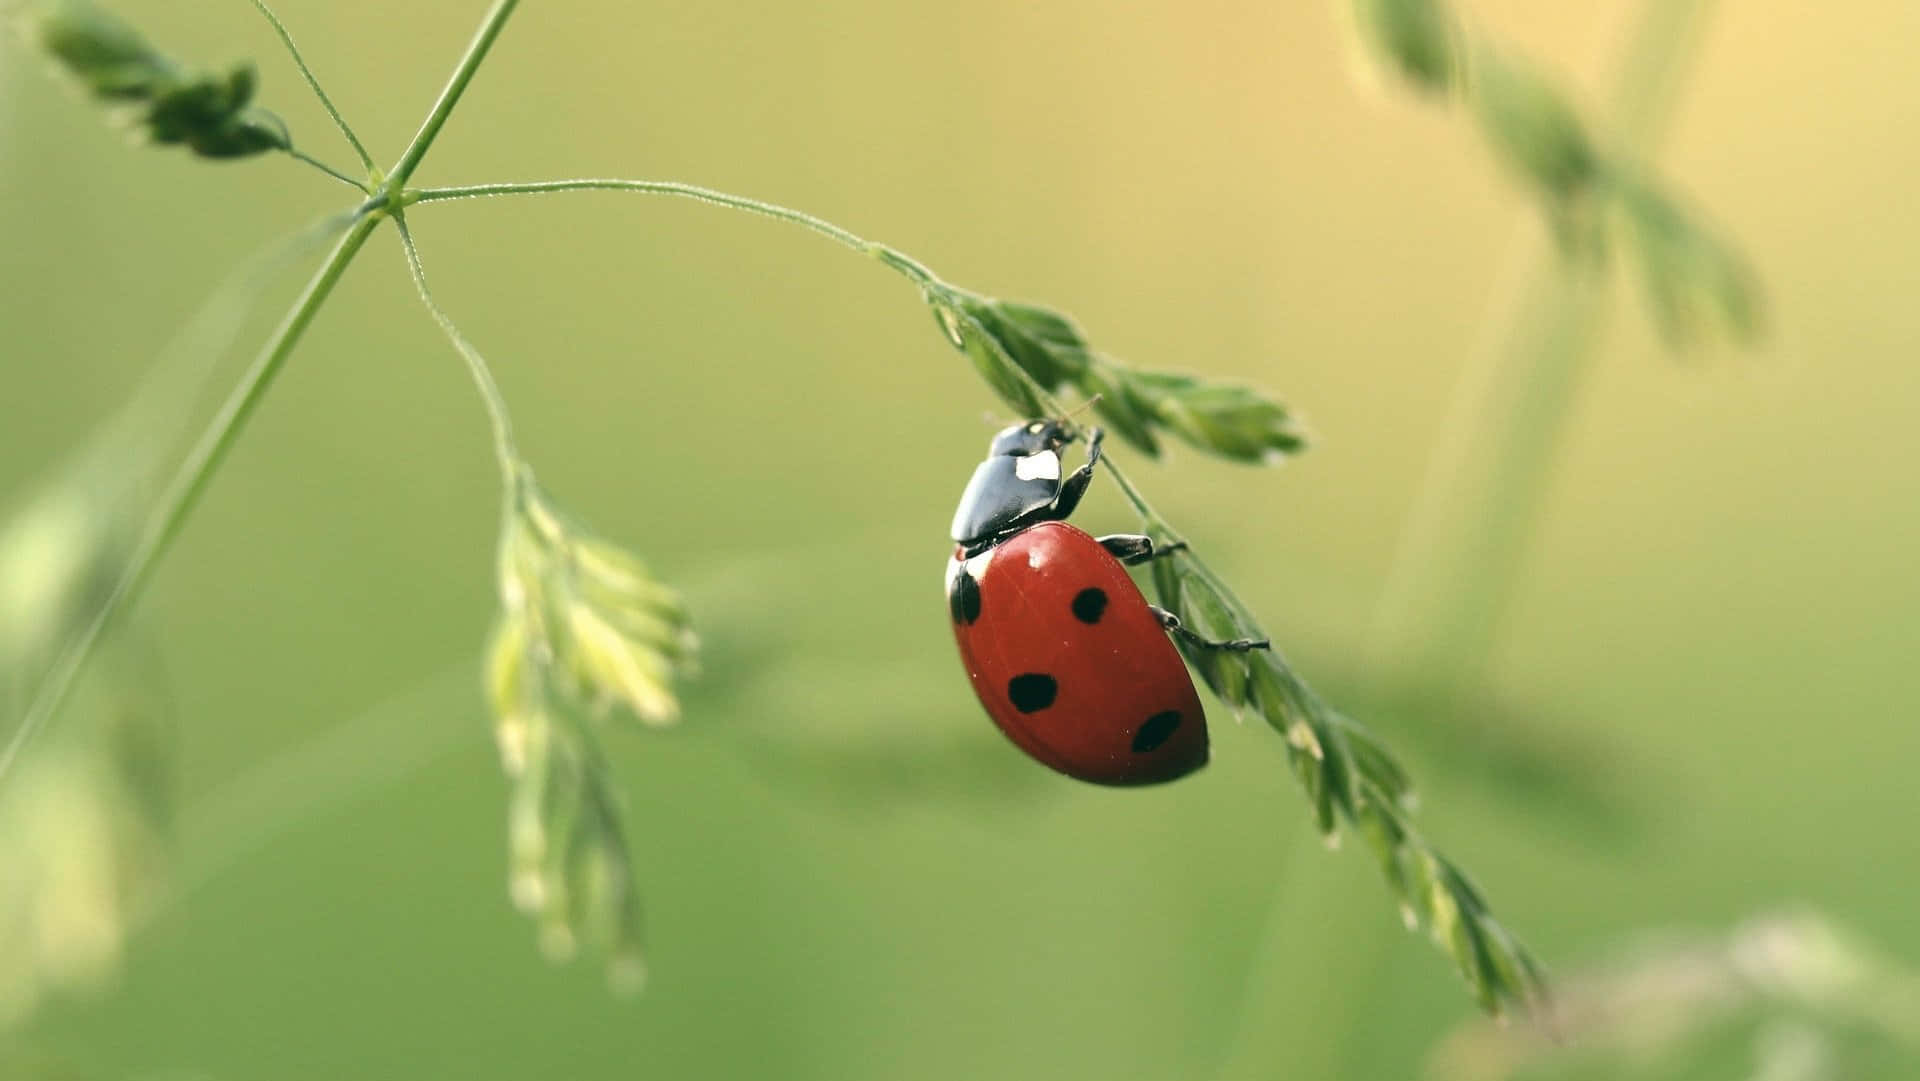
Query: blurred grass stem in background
(1461, 551)
(189, 482)
(1464, 546)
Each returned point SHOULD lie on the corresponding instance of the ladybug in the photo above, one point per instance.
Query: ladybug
(1067, 656)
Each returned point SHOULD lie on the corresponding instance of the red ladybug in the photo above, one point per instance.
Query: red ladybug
(1068, 657)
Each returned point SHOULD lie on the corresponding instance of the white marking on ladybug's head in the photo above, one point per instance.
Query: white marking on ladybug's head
(1042, 466)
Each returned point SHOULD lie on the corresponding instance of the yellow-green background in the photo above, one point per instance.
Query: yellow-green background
(847, 873)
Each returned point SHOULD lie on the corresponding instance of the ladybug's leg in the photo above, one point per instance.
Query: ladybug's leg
(1235, 645)
(1134, 549)
(1076, 483)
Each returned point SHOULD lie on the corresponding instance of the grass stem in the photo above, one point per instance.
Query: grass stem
(899, 261)
(496, 402)
(313, 82)
(463, 72)
(303, 156)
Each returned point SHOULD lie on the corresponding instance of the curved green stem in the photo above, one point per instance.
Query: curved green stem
(899, 261)
(313, 82)
(189, 483)
(503, 445)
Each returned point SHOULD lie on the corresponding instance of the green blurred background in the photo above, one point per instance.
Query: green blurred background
(848, 873)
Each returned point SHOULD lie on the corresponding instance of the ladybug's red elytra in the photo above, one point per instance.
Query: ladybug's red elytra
(1065, 653)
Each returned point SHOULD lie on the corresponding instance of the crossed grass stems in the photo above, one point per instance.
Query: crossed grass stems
(1027, 355)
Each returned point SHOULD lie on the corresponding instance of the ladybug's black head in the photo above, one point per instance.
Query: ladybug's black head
(1020, 477)
(1030, 437)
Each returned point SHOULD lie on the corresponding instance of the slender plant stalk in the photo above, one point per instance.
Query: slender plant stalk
(463, 72)
(313, 83)
(906, 265)
(1454, 574)
(303, 156)
(503, 445)
(191, 480)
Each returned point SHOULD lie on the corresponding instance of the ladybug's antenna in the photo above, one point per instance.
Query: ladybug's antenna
(1079, 409)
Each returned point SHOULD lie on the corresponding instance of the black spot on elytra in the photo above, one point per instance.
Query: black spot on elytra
(1089, 604)
(1156, 731)
(1032, 692)
(964, 598)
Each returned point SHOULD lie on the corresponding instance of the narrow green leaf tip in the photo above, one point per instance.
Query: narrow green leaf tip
(1417, 38)
(1695, 281)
